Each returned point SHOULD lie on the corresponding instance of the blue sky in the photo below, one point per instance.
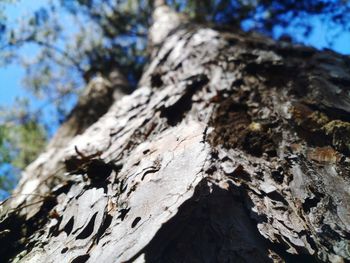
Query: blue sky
(12, 75)
(321, 36)
(10, 86)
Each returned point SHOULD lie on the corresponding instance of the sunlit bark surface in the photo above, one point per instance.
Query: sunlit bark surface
(234, 148)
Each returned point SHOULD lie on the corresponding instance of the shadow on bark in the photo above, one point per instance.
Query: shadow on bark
(210, 227)
(213, 226)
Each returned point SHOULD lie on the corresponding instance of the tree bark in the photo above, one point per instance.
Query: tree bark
(234, 148)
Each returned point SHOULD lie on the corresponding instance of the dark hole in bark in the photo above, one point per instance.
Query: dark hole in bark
(136, 220)
(87, 231)
(237, 83)
(122, 187)
(311, 202)
(63, 189)
(346, 234)
(71, 164)
(211, 170)
(309, 239)
(64, 250)
(327, 231)
(69, 226)
(123, 213)
(151, 171)
(81, 259)
(277, 197)
(156, 80)
(99, 170)
(175, 113)
(239, 172)
(277, 176)
(103, 227)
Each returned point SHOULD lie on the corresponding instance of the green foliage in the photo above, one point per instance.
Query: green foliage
(26, 140)
(22, 138)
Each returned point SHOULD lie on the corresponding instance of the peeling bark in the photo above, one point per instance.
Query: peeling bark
(234, 148)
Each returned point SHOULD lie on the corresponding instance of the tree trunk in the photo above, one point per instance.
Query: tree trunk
(234, 148)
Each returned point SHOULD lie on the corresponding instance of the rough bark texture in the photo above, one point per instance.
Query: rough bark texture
(234, 148)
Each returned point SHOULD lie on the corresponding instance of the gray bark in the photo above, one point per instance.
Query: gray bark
(233, 148)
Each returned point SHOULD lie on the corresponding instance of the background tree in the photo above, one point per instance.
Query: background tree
(108, 34)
